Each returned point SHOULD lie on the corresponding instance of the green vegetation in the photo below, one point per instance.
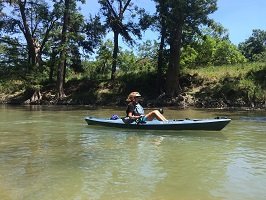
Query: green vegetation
(50, 53)
(240, 85)
(231, 85)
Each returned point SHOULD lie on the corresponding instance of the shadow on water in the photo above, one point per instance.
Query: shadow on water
(255, 119)
(242, 115)
(143, 133)
(49, 107)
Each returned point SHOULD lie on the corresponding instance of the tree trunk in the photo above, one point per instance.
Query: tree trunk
(173, 71)
(24, 27)
(115, 53)
(61, 66)
(60, 77)
(52, 65)
(160, 61)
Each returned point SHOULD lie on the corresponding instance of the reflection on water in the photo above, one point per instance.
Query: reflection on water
(258, 119)
(50, 153)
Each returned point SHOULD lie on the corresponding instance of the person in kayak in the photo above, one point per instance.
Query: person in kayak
(136, 112)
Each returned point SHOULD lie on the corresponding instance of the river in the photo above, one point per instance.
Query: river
(50, 153)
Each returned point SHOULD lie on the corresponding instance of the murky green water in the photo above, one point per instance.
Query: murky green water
(49, 153)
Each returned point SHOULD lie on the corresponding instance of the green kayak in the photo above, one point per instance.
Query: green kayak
(215, 124)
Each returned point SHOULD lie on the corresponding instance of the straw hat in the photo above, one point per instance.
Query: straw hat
(133, 95)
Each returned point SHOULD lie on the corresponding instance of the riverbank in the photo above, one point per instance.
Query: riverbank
(195, 93)
(239, 86)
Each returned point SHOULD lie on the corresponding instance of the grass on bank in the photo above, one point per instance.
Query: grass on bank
(235, 84)
(221, 72)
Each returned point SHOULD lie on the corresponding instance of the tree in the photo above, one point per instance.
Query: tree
(189, 57)
(211, 51)
(11, 53)
(33, 19)
(162, 13)
(183, 19)
(227, 53)
(63, 52)
(206, 49)
(115, 11)
(76, 35)
(147, 56)
(255, 46)
(104, 59)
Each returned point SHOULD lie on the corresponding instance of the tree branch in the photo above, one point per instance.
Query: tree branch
(111, 9)
(125, 7)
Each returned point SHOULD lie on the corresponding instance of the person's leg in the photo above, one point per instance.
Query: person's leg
(155, 114)
(159, 116)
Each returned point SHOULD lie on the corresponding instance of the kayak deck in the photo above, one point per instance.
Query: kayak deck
(215, 124)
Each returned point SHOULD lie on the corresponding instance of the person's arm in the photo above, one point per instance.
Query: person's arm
(130, 111)
(131, 116)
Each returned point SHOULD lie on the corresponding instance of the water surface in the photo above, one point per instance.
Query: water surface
(50, 153)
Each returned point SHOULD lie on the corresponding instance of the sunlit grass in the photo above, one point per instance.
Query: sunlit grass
(242, 81)
(221, 72)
